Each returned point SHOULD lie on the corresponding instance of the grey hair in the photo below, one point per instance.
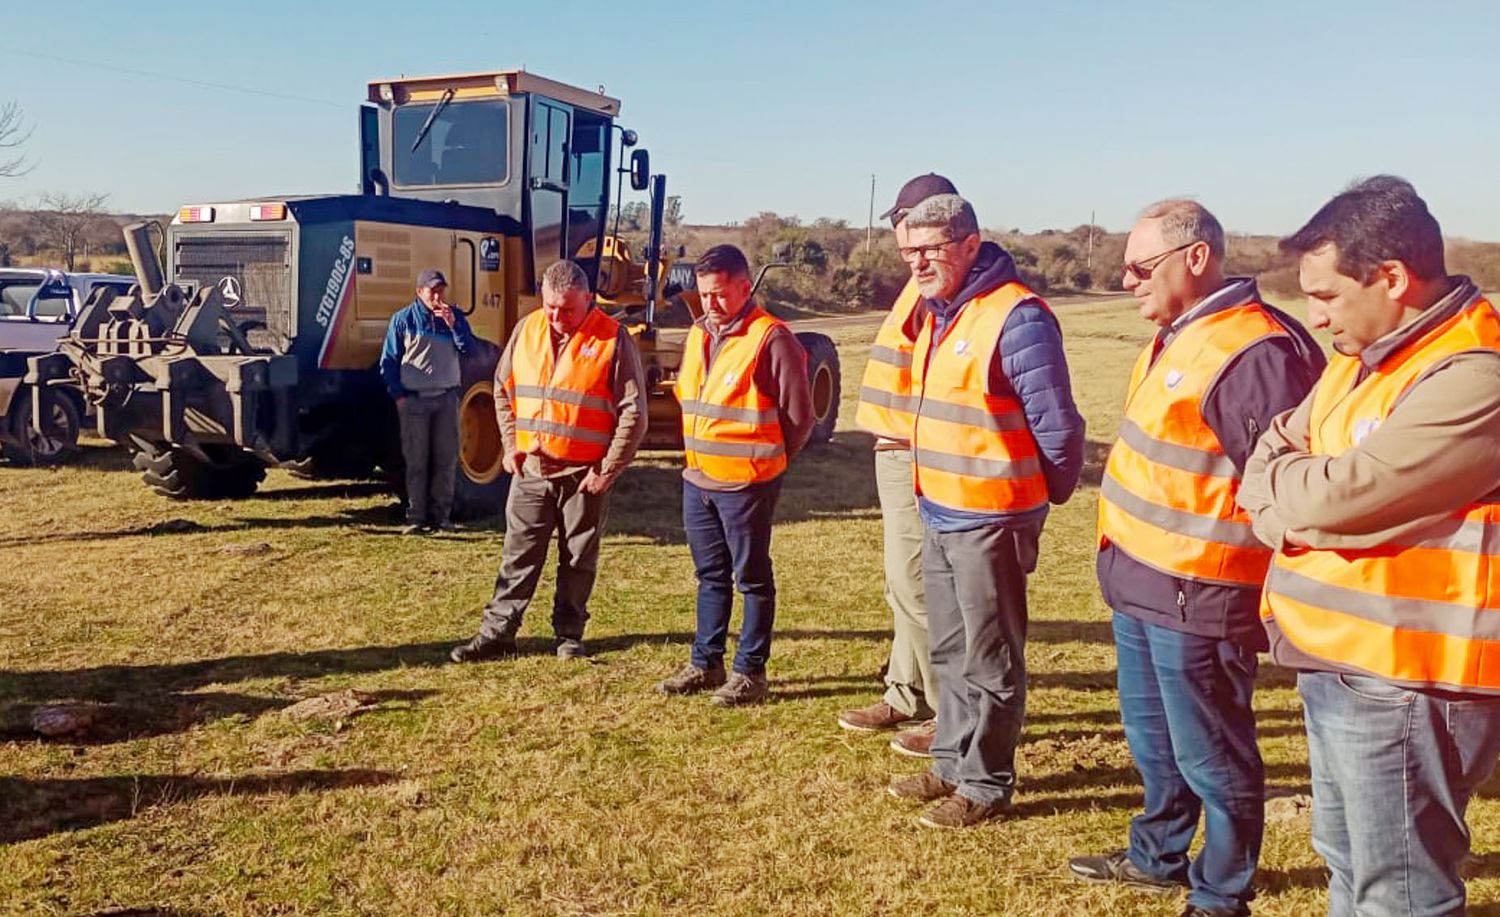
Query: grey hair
(1186, 221)
(949, 212)
(562, 276)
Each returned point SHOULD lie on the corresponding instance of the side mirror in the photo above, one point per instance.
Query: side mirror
(640, 170)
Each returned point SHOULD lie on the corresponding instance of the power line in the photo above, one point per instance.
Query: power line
(172, 78)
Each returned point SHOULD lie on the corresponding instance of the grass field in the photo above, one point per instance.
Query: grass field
(534, 786)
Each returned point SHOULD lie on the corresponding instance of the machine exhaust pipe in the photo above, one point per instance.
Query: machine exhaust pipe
(143, 258)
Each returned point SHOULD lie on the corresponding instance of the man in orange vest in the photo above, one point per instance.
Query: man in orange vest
(1378, 494)
(1179, 564)
(746, 410)
(995, 440)
(570, 396)
(886, 405)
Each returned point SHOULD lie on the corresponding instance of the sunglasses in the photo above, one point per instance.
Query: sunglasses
(1141, 270)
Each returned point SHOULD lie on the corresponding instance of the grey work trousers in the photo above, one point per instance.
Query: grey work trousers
(910, 686)
(429, 445)
(534, 509)
(976, 607)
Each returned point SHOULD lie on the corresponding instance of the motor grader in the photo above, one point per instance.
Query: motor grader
(254, 339)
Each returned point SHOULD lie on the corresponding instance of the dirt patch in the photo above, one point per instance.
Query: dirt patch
(1087, 752)
(1286, 809)
(335, 706)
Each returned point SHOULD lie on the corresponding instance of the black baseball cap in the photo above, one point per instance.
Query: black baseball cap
(918, 190)
(431, 278)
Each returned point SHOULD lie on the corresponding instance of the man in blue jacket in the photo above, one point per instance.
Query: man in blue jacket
(421, 367)
(997, 438)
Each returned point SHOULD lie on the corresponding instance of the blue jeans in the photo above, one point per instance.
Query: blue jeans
(1185, 702)
(1392, 773)
(729, 535)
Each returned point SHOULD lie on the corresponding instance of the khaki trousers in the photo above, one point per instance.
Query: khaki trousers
(911, 687)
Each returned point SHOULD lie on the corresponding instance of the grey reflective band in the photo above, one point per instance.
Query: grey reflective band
(971, 417)
(976, 467)
(566, 396)
(533, 425)
(875, 396)
(1203, 528)
(1468, 536)
(1422, 615)
(1174, 456)
(719, 412)
(890, 356)
(734, 450)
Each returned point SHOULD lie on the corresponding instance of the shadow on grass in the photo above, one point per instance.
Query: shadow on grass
(40, 807)
(143, 716)
(1095, 455)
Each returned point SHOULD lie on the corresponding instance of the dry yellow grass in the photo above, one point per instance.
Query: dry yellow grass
(533, 786)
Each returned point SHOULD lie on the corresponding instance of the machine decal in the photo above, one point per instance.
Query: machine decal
(229, 289)
(489, 254)
(335, 298)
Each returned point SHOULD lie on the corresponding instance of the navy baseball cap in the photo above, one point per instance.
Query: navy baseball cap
(430, 278)
(918, 190)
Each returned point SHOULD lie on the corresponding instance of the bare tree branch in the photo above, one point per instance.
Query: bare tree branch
(63, 219)
(13, 134)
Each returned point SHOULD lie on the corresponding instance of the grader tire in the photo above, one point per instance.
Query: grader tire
(172, 471)
(823, 376)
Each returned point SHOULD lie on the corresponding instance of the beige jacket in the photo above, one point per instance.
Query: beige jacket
(1437, 452)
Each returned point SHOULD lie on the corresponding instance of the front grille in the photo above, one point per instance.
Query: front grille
(261, 262)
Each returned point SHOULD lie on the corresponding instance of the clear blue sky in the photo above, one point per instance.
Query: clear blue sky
(1041, 112)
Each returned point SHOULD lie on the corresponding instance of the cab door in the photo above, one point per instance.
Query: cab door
(547, 168)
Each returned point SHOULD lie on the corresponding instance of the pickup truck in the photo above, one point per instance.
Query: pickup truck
(37, 307)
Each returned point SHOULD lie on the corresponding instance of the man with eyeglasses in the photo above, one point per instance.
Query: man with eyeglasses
(887, 401)
(1179, 562)
(996, 438)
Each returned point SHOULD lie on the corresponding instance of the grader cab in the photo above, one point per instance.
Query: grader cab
(255, 340)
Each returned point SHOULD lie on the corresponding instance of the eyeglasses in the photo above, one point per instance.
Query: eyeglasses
(1141, 270)
(915, 253)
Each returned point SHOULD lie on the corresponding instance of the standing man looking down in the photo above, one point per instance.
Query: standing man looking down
(1379, 495)
(746, 410)
(887, 408)
(996, 437)
(1179, 563)
(570, 397)
(420, 365)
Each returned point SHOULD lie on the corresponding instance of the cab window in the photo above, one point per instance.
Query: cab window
(466, 144)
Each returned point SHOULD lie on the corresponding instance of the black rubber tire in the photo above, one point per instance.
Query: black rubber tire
(173, 471)
(823, 376)
(481, 486)
(27, 447)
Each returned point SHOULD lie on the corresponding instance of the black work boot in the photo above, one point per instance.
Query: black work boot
(482, 648)
(1116, 867)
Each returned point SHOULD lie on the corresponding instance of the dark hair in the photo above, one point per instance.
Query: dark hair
(723, 259)
(1374, 220)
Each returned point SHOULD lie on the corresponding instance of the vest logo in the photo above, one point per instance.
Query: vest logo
(588, 350)
(1174, 378)
(729, 377)
(1364, 428)
(961, 348)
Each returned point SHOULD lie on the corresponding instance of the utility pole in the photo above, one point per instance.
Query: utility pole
(870, 225)
(1090, 262)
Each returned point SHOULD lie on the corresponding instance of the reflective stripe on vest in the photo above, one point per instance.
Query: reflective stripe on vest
(887, 404)
(564, 404)
(1167, 498)
(731, 431)
(972, 450)
(1424, 611)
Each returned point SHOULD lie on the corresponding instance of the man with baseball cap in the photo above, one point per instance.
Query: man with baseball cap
(420, 365)
(886, 401)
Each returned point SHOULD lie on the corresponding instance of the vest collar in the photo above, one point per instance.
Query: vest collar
(1462, 296)
(735, 326)
(1236, 292)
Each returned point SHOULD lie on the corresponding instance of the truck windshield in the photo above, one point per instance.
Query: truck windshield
(466, 144)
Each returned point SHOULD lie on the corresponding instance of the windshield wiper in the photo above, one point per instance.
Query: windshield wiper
(427, 125)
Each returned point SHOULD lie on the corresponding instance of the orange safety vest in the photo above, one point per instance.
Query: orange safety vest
(972, 450)
(887, 404)
(1424, 611)
(1167, 498)
(731, 430)
(564, 404)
